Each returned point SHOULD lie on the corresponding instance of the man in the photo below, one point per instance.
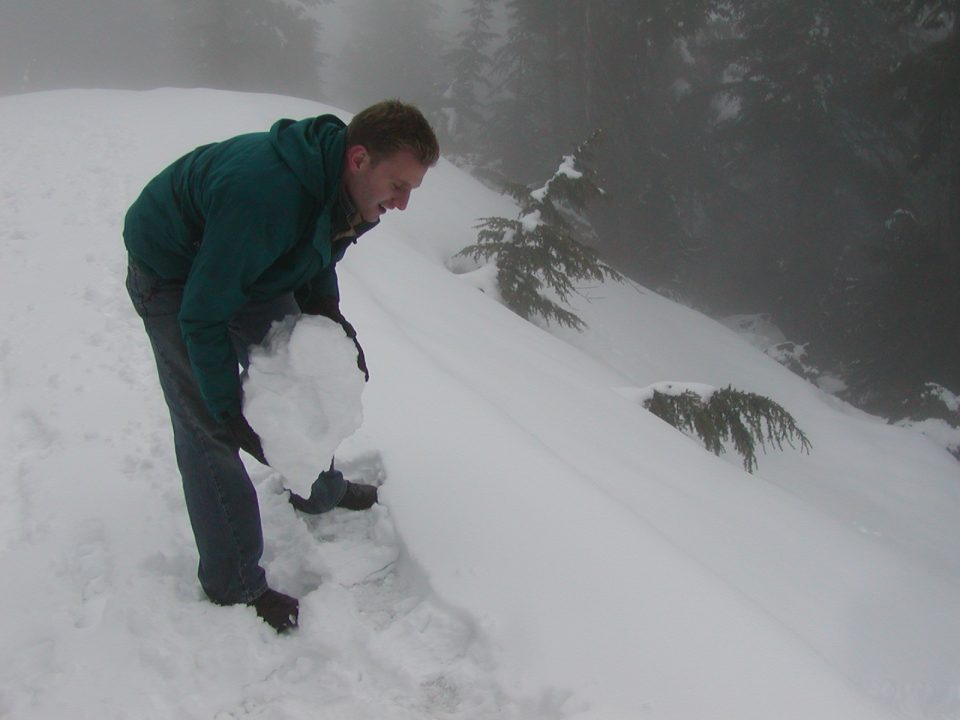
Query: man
(228, 239)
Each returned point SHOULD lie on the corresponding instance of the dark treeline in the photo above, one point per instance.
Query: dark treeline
(799, 158)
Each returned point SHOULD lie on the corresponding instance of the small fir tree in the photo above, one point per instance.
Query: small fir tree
(730, 415)
(543, 246)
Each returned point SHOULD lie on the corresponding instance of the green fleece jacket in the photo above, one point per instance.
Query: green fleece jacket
(247, 219)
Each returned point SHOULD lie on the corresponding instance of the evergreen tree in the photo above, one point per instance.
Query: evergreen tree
(463, 113)
(544, 245)
(926, 260)
(891, 319)
(728, 415)
(905, 330)
(567, 68)
(756, 153)
(646, 78)
(791, 75)
(524, 109)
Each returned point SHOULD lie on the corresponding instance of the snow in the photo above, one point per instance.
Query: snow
(545, 548)
(726, 106)
(568, 168)
(898, 215)
(531, 221)
(672, 389)
(942, 431)
(761, 332)
(681, 88)
(950, 400)
(302, 395)
(757, 329)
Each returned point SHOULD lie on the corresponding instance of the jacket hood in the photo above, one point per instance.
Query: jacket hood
(313, 149)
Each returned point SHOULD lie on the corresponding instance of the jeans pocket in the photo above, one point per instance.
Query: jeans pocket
(151, 295)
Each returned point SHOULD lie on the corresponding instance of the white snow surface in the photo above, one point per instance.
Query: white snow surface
(673, 389)
(545, 548)
(531, 221)
(302, 395)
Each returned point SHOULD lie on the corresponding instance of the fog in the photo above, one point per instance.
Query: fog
(91, 43)
(143, 44)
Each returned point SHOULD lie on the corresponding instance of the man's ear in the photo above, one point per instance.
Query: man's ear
(356, 156)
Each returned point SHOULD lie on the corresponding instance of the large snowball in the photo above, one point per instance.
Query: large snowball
(302, 396)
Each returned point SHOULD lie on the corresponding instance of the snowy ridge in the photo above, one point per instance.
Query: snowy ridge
(545, 547)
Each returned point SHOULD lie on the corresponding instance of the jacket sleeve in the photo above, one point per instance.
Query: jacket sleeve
(319, 292)
(240, 241)
(323, 290)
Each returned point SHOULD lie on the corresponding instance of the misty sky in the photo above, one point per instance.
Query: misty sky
(139, 44)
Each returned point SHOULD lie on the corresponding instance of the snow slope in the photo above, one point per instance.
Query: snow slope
(545, 547)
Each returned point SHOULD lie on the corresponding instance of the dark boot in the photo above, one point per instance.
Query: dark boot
(280, 611)
(358, 497)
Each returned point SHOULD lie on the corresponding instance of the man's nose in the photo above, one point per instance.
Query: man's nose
(401, 199)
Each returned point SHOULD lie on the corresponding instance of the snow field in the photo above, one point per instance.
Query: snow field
(545, 548)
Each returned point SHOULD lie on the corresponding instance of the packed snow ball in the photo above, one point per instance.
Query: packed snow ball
(302, 394)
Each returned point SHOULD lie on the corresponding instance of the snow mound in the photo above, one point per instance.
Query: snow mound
(302, 395)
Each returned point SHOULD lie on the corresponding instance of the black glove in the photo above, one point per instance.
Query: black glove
(245, 437)
(361, 360)
(329, 307)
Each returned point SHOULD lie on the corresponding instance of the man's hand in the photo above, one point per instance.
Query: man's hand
(246, 437)
(329, 307)
(361, 360)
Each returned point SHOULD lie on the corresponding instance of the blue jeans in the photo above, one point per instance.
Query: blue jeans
(221, 500)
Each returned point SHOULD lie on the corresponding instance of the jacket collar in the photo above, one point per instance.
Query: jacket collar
(349, 223)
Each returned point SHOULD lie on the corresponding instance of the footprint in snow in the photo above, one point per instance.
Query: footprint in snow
(87, 563)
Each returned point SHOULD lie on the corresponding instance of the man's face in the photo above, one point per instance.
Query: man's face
(375, 187)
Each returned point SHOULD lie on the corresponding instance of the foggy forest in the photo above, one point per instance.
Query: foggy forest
(792, 159)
